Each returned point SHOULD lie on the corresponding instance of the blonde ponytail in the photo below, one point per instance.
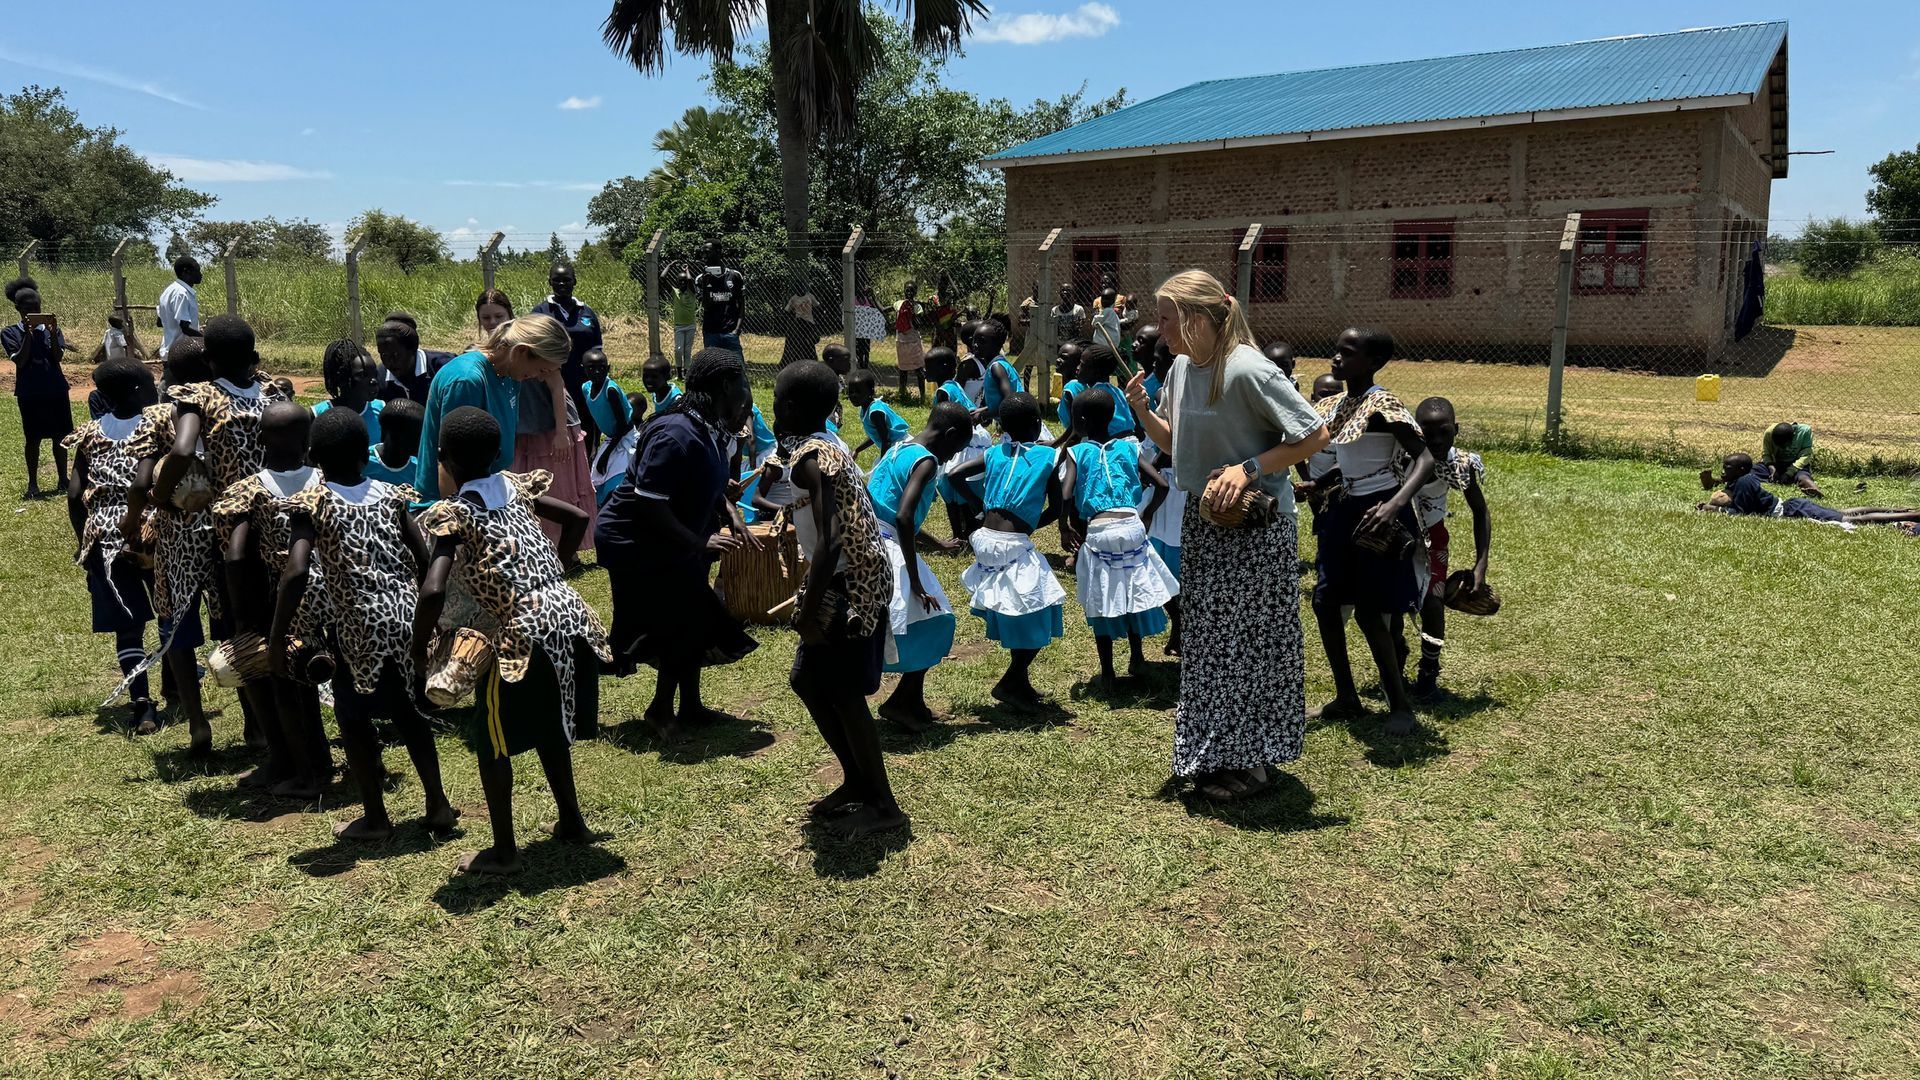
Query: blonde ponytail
(1208, 311)
(541, 333)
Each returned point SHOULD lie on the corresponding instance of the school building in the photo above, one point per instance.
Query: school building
(1428, 197)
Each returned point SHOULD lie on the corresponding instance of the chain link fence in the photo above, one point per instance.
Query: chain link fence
(1658, 359)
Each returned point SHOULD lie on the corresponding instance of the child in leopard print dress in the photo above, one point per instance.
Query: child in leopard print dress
(543, 685)
(255, 513)
(372, 551)
(843, 613)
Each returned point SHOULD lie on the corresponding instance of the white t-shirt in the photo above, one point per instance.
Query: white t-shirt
(177, 304)
(114, 341)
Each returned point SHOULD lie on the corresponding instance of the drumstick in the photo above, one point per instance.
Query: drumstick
(782, 605)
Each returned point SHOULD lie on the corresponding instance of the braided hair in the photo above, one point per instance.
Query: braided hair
(707, 378)
(336, 366)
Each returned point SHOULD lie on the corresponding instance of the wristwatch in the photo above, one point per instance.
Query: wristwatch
(1251, 467)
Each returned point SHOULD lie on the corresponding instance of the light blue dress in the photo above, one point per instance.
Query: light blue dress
(1006, 565)
(1107, 477)
(921, 639)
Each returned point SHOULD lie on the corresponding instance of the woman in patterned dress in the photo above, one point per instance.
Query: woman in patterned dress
(1232, 421)
(543, 685)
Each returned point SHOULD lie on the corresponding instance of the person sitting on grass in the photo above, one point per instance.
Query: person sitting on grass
(902, 486)
(1742, 493)
(371, 552)
(352, 380)
(543, 683)
(395, 458)
(656, 375)
(1453, 470)
(1786, 457)
(885, 428)
(841, 611)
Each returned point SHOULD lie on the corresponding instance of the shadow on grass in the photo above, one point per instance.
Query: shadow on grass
(1285, 806)
(545, 865)
(409, 838)
(178, 763)
(732, 736)
(851, 859)
(1156, 687)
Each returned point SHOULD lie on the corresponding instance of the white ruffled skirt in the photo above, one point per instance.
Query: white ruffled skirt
(1013, 589)
(1122, 581)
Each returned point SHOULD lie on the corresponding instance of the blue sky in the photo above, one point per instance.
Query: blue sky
(492, 115)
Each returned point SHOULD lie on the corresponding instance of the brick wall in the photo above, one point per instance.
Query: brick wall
(1337, 202)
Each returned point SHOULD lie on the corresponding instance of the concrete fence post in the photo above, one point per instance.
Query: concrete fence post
(1243, 277)
(1049, 348)
(233, 279)
(847, 272)
(355, 330)
(1562, 306)
(490, 258)
(24, 252)
(120, 283)
(653, 296)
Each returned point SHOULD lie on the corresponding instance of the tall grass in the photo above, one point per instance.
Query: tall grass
(1886, 292)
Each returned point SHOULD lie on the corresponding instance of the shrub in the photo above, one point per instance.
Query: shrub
(1836, 247)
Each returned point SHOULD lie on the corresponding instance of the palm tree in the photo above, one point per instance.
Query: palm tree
(702, 144)
(818, 51)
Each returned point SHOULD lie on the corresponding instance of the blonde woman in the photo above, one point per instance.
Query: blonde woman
(1233, 421)
(488, 377)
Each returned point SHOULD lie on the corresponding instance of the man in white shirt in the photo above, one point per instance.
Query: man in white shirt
(179, 307)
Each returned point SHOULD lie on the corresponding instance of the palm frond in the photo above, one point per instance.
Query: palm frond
(639, 29)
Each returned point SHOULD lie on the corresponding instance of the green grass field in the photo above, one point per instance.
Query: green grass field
(1667, 825)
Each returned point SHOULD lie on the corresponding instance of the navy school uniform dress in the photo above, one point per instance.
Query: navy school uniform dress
(39, 386)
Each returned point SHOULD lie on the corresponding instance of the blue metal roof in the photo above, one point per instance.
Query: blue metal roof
(1635, 70)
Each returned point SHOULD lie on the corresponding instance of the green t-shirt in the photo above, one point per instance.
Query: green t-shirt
(683, 307)
(1798, 453)
(1259, 408)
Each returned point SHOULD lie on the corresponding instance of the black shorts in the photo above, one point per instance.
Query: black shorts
(124, 603)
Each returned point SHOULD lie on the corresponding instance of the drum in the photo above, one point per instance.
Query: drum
(756, 585)
(454, 665)
(238, 660)
(195, 490)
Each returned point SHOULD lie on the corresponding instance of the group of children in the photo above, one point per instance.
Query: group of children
(1786, 457)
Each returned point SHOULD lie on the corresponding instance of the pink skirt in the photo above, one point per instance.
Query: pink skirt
(572, 482)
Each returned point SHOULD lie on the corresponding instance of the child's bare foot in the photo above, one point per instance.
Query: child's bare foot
(836, 802)
(301, 788)
(364, 830)
(573, 831)
(1338, 709)
(1399, 725)
(440, 818)
(702, 716)
(490, 861)
(871, 820)
(1022, 696)
(146, 719)
(260, 776)
(664, 726)
(916, 721)
(1173, 645)
(201, 735)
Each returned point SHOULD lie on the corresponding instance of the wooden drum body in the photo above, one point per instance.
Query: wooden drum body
(756, 585)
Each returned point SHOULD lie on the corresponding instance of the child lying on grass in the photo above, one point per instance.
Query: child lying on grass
(1743, 493)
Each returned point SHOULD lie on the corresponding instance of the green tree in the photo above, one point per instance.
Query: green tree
(267, 238)
(1894, 198)
(556, 249)
(1836, 247)
(618, 211)
(67, 181)
(818, 52)
(406, 243)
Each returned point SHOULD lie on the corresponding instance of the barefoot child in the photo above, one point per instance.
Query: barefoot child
(605, 399)
(256, 514)
(104, 467)
(352, 379)
(395, 458)
(884, 428)
(1454, 470)
(1743, 493)
(842, 609)
(1123, 584)
(544, 681)
(902, 488)
(1012, 588)
(372, 551)
(1368, 536)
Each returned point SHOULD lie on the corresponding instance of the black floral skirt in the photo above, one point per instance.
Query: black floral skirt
(1242, 674)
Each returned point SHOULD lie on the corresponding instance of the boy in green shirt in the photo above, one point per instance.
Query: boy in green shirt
(1786, 457)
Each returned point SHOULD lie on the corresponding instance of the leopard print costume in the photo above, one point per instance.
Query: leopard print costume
(185, 548)
(869, 574)
(229, 425)
(1347, 416)
(110, 470)
(371, 574)
(512, 572)
(271, 516)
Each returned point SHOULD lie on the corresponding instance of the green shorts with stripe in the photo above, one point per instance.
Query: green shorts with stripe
(509, 718)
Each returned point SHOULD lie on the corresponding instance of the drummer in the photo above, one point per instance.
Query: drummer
(902, 487)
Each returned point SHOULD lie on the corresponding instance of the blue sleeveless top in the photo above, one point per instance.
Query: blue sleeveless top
(958, 395)
(1067, 394)
(1106, 476)
(878, 413)
(1016, 478)
(609, 407)
(992, 391)
(887, 483)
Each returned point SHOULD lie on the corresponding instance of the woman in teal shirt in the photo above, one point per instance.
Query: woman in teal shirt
(488, 377)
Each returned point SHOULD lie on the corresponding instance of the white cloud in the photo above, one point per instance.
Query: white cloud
(473, 221)
(1090, 20)
(231, 170)
(306, 131)
(460, 233)
(577, 102)
(99, 75)
(571, 226)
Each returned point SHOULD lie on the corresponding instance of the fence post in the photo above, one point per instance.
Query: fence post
(120, 285)
(354, 330)
(489, 255)
(1049, 348)
(24, 252)
(852, 248)
(653, 296)
(1243, 279)
(1562, 304)
(233, 280)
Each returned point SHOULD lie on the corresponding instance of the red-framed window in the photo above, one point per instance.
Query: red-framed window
(1093, 259)
(1422, 260)
(1610, 255)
